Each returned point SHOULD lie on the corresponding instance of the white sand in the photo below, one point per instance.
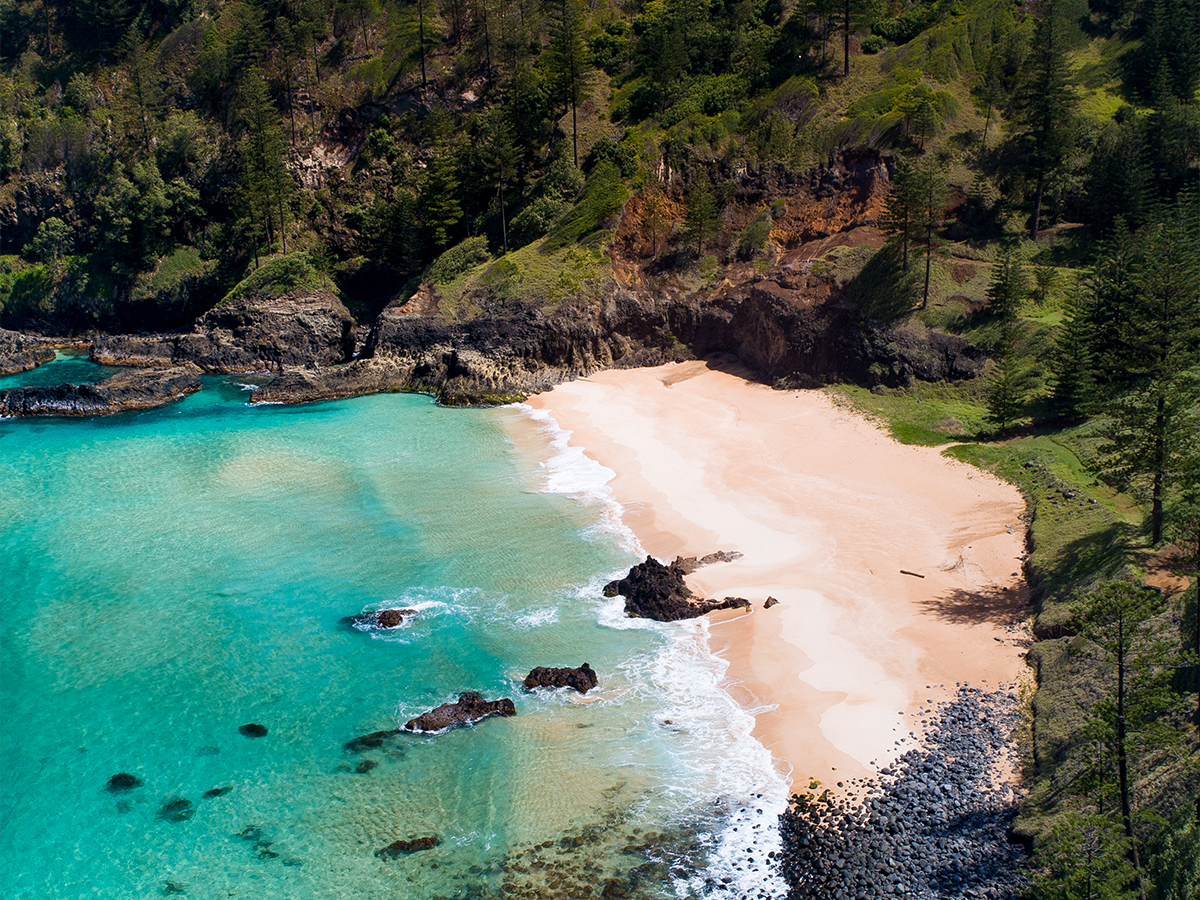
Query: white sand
(827, 509)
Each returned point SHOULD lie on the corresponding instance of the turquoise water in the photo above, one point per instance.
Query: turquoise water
(65, 368)
(169, 576)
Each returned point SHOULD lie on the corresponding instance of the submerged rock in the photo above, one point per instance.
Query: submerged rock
(252, 730)
(122, 781)
(396, 848)
(583, 679)
(176, 809)
(366, 766)
(217, 792)
(470, 708)
(369, 741)
(654, 591)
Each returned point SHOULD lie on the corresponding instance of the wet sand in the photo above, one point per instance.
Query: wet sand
(830, 513)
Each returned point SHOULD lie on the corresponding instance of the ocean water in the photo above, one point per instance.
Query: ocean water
(167, 577)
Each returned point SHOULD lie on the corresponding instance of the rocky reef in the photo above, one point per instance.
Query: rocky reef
(654, 591)
(123, 392)
(470, 708)
(582, 679)
(402, 847)
(22, 352)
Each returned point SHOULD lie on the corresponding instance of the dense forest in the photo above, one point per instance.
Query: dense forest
(1042, 202)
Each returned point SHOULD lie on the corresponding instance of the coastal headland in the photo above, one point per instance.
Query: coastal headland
(896, 570)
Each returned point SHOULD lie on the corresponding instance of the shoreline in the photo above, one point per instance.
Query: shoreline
(827, 510)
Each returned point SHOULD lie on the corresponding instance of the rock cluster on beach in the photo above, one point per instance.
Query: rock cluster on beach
(937, 826)
(469, 708)
(654, 591)
(583, 679)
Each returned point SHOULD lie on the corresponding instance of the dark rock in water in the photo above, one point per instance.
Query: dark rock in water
(771, 601)
(654, 591)
(124, 806)
(293, 861)
(394, 849)
(122, 392)
(251, 833)
(369, 741)
(217, 792)
(252, 730)
(366, 766)
(382, 618)
(582, 679)
(176, 809)
(122, 781)
(471, 707)
(174, 887)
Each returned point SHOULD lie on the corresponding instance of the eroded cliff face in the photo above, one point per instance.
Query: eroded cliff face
(786, 323)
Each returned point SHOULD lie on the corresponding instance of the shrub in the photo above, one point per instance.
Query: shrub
(754, 237)
(873, 44)
(278, 276)
(458, 259)
(535, 220)
(602, 197)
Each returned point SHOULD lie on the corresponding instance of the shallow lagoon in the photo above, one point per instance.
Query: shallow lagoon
(168, 576)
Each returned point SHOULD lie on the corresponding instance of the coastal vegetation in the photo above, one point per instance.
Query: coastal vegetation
(1033, 194)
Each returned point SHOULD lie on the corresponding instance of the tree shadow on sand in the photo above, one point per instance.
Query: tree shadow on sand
(993, 606)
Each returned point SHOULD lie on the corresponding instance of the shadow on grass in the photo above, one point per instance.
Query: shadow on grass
(993, 606)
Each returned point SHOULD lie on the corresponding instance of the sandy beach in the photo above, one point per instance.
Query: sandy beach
(896, 569)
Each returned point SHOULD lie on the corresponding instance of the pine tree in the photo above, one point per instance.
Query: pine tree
(1006, 289)
(1152, 423)
(701, 210)
(1073, 386)
(440, 209)
(1044, 105)
(1007, 384)
(265, 184)
(570, 60)
(932, 196)
(1117, 619)
(653, 215)
(855, 16)
(902, 207)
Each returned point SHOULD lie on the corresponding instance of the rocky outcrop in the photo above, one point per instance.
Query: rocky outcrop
(689, 564)
(123, 392)
(470, 708)
(252, 730)
(382, 618)
(583, 679)
(22, 352)
(302, 328)
(654, 591)
(399, 848)
(122, 781)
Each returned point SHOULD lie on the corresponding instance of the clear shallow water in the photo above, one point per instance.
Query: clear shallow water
(63, 369)
(169, 576)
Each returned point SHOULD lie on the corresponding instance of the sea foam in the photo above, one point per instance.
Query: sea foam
(723, 768)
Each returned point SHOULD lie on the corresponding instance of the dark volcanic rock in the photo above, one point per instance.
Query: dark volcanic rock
(176, 809)
(123, 392)
(302, 328)
(582, 679)
(771, 601)
(252, 730)
(122, 781)
(396, 848)
(471, 707)
(934, 826)
(22, 352)
(217, 792)
(382, 618)
(689, 564)
(654, 591)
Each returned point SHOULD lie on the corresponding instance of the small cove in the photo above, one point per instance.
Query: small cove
(171, 575)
